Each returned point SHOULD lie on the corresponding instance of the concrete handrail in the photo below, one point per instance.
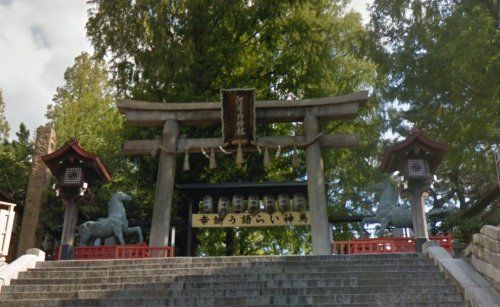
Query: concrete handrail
(21, 264)
(477, 291)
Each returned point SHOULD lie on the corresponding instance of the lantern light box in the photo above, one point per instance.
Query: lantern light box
(253, 204)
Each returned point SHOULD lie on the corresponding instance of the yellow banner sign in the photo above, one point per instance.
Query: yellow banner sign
(202, 220)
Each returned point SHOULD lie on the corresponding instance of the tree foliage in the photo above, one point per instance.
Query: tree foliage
(15, 165)
(4, 125)
(442, 60)
(187, 50)
(84, 108)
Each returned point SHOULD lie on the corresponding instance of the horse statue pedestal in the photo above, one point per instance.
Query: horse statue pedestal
(110, 241)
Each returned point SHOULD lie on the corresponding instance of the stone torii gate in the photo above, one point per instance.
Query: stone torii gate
(171, 115)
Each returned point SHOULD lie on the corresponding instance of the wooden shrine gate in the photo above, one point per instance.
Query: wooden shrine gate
(239, 112)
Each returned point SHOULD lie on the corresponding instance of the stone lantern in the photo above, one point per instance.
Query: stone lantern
(416, 158)
(76, 170)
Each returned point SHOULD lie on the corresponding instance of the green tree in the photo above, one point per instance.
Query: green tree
(442, 60)
(188, 50)
(15, 167)
(15, 164)
(84, 108)
(4, 125)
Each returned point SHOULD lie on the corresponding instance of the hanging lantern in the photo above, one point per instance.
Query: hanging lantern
(269, 204)
(283, 202)
(223, 206)
(299, 202)
(186, 162)
(207, 204)
(238, 203)
(253, 204)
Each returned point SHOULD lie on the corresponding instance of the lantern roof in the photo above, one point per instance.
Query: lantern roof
(419, 143)
(72, 150)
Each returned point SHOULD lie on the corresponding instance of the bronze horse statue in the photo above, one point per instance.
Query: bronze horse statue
(115, 224)
(388, 212)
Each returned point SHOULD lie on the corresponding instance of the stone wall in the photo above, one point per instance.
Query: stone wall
(484, 253)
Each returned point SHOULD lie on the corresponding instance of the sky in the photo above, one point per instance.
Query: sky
(39, 39)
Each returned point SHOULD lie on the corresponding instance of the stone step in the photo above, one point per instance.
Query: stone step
(178, 285)
(341, 280)
(231, 276)
(166, 264)
(134, 293)
(90, 263)
(225, 270)
(159, 303)
(261, 300)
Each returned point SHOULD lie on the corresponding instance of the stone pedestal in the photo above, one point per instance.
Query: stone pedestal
(164, 191)
(69, 228)
(417, 197)
(110, 241)
(39, 179)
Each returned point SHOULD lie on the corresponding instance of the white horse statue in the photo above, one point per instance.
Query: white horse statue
(115, 224)
(388, 212)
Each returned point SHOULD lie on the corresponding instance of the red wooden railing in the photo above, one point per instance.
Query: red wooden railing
(385, 245)
(119, 252)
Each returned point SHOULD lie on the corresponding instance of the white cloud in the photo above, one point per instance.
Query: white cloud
(38, 41)
(361, 6)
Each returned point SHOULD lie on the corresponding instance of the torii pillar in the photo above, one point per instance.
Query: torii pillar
(160, 225)
(320, 232)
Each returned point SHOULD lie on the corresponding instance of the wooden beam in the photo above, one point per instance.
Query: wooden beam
(141, 113)
(339, 141)
(348, 218)
(140, 147)
(144, 147)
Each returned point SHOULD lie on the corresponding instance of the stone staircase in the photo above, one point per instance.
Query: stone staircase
(342, 280)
